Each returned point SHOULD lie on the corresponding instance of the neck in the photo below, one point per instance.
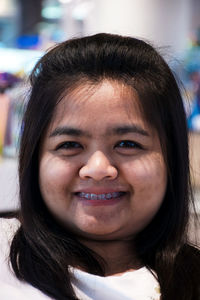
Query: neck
(119, 255)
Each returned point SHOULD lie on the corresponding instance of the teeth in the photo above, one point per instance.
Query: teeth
(93, 196)
(108, 196)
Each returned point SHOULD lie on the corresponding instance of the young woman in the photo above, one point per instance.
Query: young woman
(104, 179)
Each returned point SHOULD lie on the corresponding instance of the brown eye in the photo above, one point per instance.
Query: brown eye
(127, 144)
(69, 145)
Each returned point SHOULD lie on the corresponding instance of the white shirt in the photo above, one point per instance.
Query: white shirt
(132, 285)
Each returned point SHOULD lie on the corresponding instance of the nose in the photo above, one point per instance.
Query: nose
(98, 167)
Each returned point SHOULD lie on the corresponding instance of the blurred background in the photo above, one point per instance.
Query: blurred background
(29, 27)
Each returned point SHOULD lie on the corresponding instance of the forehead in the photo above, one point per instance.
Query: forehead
(106, 101)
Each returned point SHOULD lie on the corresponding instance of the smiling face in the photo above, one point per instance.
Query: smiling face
(101, 168)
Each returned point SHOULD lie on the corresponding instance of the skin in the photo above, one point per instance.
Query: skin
(99, 161)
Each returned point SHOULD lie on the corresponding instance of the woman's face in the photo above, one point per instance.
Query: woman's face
(101, 168)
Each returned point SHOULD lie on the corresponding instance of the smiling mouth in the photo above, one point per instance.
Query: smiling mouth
(104, 197)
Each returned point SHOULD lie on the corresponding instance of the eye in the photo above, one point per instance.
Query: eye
(128, 146)
(69, 147)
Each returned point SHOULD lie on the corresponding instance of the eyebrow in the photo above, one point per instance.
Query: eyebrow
(128, 129)
(65, 130)
(120, 130)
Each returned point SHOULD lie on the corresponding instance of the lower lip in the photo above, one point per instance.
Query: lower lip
(111, 201)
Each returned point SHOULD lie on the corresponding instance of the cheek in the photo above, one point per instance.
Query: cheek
(55, 177)
(148, 179)
(147, 174)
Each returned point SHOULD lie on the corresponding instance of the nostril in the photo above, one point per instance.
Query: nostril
(98, 168)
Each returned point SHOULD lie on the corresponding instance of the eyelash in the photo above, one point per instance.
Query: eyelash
(69, 145)
(127, 144)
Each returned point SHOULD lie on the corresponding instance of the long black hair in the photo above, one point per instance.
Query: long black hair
(42, 250)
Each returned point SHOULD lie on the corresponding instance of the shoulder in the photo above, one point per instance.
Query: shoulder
(10, 286)
(8, 227)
